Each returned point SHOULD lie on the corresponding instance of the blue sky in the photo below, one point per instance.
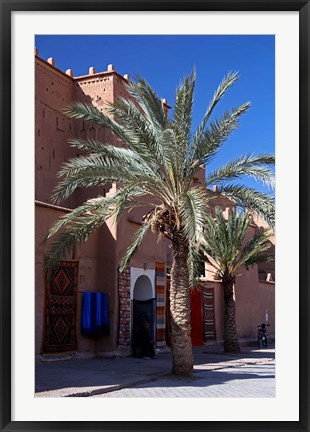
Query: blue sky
(164, 60)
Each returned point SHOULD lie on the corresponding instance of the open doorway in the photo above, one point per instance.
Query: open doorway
(143, 308)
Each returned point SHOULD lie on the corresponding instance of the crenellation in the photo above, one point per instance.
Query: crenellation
(53, 72)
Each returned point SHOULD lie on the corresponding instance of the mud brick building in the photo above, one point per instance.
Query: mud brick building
(61, 297)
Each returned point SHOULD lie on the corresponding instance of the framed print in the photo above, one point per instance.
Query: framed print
(61, 320)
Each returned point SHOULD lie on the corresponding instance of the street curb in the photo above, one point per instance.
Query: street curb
(107, 389)
(117, 387)
(114, 388)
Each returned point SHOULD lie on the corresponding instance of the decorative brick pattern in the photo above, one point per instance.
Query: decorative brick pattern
(124, 308)
(160, 278)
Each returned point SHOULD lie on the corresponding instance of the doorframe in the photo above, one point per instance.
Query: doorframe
(135, 273)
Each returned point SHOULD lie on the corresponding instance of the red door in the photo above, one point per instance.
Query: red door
(196, 317)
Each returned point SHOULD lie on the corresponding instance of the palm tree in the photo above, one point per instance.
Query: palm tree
(227, 252)
(156, 166)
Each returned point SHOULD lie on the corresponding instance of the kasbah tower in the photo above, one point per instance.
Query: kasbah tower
(93, 266)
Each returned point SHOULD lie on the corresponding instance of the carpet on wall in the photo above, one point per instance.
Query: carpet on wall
(60, 308)
(209, 314)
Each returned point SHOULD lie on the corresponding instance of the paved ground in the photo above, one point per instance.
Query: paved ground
(249, 374)
(244, 381)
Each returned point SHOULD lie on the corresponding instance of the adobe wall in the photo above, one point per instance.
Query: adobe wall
(98, 257)
(218, 201)
(252, 300)
(253, 297)
(92, 277)
(53, 89)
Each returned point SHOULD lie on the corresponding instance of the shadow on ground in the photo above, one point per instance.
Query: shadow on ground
(74, 376)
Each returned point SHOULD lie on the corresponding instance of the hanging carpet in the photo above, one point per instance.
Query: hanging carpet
(95, 315)
(60, 308)
(209, 314)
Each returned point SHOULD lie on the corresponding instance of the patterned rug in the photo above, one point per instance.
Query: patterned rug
(161, 282)
(60, 308)
(209, 314)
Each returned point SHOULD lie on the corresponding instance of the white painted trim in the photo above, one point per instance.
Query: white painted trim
(137, 272)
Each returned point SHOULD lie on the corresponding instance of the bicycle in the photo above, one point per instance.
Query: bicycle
(262, 335)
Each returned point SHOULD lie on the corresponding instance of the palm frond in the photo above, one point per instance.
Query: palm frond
(169, 143)
(135, 243)
(87, 208)
(225, 247)
(256, 245)
(193, 209)
(100, 149)
(143, 135)
(248, 198)
(148, 100)
(194, 262)
(216, 240)
(247, 165)
(88, 145)
(260, 258)
(74, 233)
(182, 123)
(77, 225)
(227, 82)
(80, 110)
(214, 137)
(115, 165)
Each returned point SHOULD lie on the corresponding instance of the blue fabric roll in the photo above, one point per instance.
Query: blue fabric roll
(95, 315)
(86, 314)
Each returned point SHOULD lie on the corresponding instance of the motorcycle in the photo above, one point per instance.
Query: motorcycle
(262, 335)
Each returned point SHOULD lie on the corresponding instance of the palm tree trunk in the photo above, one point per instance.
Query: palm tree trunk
(231, 342)
(180, 308)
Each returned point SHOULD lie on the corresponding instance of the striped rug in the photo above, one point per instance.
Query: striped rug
(208, 314)
(160, 278)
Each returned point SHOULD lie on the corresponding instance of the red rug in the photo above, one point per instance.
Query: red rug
(60, 308)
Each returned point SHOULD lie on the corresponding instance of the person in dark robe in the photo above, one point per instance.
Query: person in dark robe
(144, 345)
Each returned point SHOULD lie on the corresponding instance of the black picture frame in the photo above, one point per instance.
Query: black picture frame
(7, 7)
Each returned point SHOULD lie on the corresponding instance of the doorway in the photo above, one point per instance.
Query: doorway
(143, 307)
